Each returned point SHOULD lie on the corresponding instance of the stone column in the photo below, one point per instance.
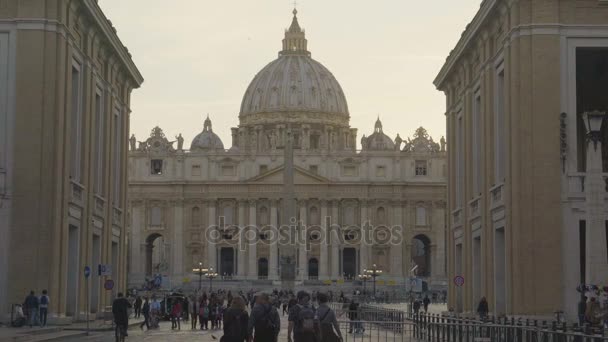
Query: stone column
(252, 271)
(273, 272)
(137, 263)
(323, 262)
(407, 242)
(335, 244)
(211, 224)
(303, 253)
(242, 247)
(178, 240)
(365, 238)
(396, 265)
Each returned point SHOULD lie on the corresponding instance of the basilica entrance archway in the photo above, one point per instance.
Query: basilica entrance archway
(349, 262)
(421, 255)
(263, 268)
(154, 254)
(227, 261)
(313, 268)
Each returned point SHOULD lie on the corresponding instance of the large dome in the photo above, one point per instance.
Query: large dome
(207, 140)
(294, 82)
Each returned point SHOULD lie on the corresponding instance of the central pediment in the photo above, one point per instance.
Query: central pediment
(276, 176)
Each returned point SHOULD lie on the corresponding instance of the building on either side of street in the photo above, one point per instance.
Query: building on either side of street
(65, 85)
(527, 193)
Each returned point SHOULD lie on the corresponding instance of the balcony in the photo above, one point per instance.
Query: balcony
(475, 208)
(497, 196)
(100, 204)
(457, 217)
(76, 192)
(117, 216)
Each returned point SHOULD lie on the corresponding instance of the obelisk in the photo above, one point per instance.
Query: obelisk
(288, 218)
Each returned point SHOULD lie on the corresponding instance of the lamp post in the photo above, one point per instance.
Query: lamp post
(200, 271)
(374, 272)
(210, 275)
(596, 266)
(364, 277)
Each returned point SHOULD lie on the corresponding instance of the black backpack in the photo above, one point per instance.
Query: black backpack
(265, 324)
(327, 329)
(307, 319)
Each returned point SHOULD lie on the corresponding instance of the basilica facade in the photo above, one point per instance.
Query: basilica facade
(354, 187)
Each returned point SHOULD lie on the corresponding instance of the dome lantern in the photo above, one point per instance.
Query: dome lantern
(295, 42)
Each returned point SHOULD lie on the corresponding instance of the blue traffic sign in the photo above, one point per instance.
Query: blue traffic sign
(109, 284)
(87, 271)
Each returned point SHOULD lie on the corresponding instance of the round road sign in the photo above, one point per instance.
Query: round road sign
(87, 271)
(109, 284)
(459, 280)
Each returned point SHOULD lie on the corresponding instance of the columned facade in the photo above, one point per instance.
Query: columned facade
(65, 85)
(527, 206)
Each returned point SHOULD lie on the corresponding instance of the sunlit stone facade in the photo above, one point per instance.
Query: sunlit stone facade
(176, 193)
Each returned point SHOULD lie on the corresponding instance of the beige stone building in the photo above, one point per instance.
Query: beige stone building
(65, 85)
(176, 193)
(526, 204)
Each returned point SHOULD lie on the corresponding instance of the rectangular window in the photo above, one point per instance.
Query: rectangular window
(381, 171)
(349, 170)
(76, 123)
(155, 216)
(156, 166)
(476, 143)
(313, 169)
(420, 216)
(117, 154)
(499, 127)
(459, 160)
(421, 167)
(228, 170)
(196, 170)
(99, 143)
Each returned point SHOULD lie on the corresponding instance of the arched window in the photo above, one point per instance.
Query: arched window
(349, 216)
(262, 268)
(421, 255)
(264, 218)
(196, 216)
(381, 215)
(314, 216)
(228, 214)
(421, 216)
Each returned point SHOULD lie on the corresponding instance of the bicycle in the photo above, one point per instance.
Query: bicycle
(120, 333)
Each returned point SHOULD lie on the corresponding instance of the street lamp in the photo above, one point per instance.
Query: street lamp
(593, 123)
(200, 271)
(374, 272)
(596, 268)
(210, 275)
(364, 277)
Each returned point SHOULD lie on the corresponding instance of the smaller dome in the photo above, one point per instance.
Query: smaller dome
(207, 140)
(378, 141)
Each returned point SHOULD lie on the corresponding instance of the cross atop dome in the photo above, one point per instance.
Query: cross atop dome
(295, 42)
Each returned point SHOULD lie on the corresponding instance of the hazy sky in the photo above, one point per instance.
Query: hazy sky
(198, 57)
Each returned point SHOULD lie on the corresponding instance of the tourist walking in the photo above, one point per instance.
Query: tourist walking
(195, 306)
(120, 310)
(44, 307)
(303, 323)
(426, 301)
(31, 306)
(329, 329)
(145, 310)
(176, 315)
(236, 321)
(137, 307)
(204, 314)
(265, 320)
(582, 308)
(483, 309)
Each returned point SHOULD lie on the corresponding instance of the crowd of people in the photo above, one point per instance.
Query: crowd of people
(33, 311)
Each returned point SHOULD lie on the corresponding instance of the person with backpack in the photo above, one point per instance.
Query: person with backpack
(236, 320)
(32, 305)
(145, 310)
(329, 328)
(44, 308)
(194, 311)
(303, 321)
(264, 320)
(204, 314)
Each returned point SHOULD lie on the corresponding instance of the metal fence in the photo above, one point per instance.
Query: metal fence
(435, 328)
(368, 331)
